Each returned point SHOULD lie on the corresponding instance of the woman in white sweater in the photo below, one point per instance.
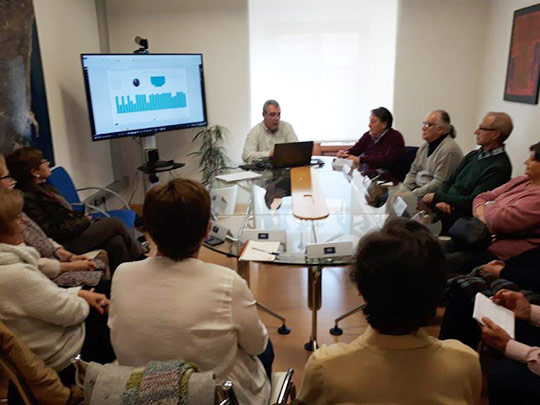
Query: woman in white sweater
(49, 319)
(175, 306)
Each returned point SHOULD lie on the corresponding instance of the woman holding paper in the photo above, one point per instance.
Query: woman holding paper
(175, 306)
(515, 379)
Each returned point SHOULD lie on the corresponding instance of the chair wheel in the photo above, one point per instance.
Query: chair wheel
(284, 330)
(309, 346)
(336, 331)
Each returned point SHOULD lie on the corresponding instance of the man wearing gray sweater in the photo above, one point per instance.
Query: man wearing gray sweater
(437, 159)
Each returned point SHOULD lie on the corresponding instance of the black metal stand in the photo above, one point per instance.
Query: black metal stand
(336, 330)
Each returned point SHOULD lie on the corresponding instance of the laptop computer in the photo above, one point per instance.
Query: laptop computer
(292, 154)
(286, 155)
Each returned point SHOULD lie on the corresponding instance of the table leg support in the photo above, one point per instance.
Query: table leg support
(314, 303)
(243, 270)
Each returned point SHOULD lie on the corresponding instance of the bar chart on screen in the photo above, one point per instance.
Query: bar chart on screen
(147, 94)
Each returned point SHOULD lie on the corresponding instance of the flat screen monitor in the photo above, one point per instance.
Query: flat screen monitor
(131, 95)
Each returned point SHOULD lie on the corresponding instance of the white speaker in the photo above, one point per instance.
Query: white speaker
(264, 234)
(217, 234)
(322, 250)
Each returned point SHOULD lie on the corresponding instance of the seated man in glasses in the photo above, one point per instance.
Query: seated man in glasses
(266, 134)
(481, 170)
(438, 158)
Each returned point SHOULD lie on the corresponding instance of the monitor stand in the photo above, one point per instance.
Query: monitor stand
(150, 156)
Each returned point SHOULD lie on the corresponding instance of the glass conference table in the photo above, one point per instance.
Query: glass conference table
(270, 211)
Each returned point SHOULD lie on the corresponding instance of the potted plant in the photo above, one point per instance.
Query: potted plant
(212, 157)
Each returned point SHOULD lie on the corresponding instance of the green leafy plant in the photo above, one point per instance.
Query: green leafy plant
(211, 155)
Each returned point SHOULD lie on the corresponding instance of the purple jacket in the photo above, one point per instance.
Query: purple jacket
(380, 155)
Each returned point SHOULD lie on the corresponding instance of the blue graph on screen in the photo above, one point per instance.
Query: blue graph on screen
(157, 81)
(152, 102)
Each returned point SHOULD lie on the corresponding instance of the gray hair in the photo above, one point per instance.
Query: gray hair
(444, 117)
(503, 123)
(269, 102)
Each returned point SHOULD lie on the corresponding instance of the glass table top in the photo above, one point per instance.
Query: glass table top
(270, 208)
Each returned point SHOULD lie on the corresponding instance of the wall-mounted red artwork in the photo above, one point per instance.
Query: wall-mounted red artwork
(523, 72)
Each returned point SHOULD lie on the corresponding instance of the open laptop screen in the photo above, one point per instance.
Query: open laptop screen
(292, 154)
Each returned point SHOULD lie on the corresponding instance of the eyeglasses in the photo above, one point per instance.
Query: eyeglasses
(428, 124)
(480, 128)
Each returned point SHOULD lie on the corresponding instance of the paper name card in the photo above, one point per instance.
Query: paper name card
(340, 164)
(399, 206)
(259, 251)
(231, 177)
(503, 317)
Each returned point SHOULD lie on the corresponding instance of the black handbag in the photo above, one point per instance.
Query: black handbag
(470, 233)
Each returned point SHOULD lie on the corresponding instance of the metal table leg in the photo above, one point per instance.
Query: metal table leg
(314, 303)
(243, 271)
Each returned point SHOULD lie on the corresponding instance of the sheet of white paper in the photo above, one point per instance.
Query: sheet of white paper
(259, 251)
(238, 176)
(484, 307)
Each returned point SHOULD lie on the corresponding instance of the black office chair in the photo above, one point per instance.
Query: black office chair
(402, 166)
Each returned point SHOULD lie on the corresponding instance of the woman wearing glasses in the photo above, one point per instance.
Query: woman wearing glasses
(46, 206)
(54, 258)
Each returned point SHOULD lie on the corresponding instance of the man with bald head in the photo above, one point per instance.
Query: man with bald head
(481, 170)
(438, 158)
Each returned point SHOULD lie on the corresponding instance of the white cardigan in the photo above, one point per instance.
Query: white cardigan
(49, 319)
(199, 312)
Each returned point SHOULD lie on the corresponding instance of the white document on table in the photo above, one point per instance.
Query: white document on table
(260, 251)
(238, 176)
(503, 317)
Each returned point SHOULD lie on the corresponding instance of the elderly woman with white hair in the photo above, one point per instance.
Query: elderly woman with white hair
(49, 319)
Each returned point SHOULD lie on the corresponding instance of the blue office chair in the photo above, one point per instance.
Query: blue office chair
(60, 179)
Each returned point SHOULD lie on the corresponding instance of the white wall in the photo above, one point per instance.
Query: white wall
(66, 29)
(218, 30)
(438, 65)
(526, 117)
(450, 55)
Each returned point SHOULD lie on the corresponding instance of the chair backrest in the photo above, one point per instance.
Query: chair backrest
(8, 375)
(29, 376)
(402, 166)
(106, 383)
(60, 179)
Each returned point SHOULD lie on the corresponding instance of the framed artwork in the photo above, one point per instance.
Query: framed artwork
(523, 73)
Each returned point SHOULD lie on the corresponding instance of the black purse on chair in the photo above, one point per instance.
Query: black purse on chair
(470, 233)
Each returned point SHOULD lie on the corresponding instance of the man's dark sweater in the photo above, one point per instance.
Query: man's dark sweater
(472, 177)
(380, 155)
